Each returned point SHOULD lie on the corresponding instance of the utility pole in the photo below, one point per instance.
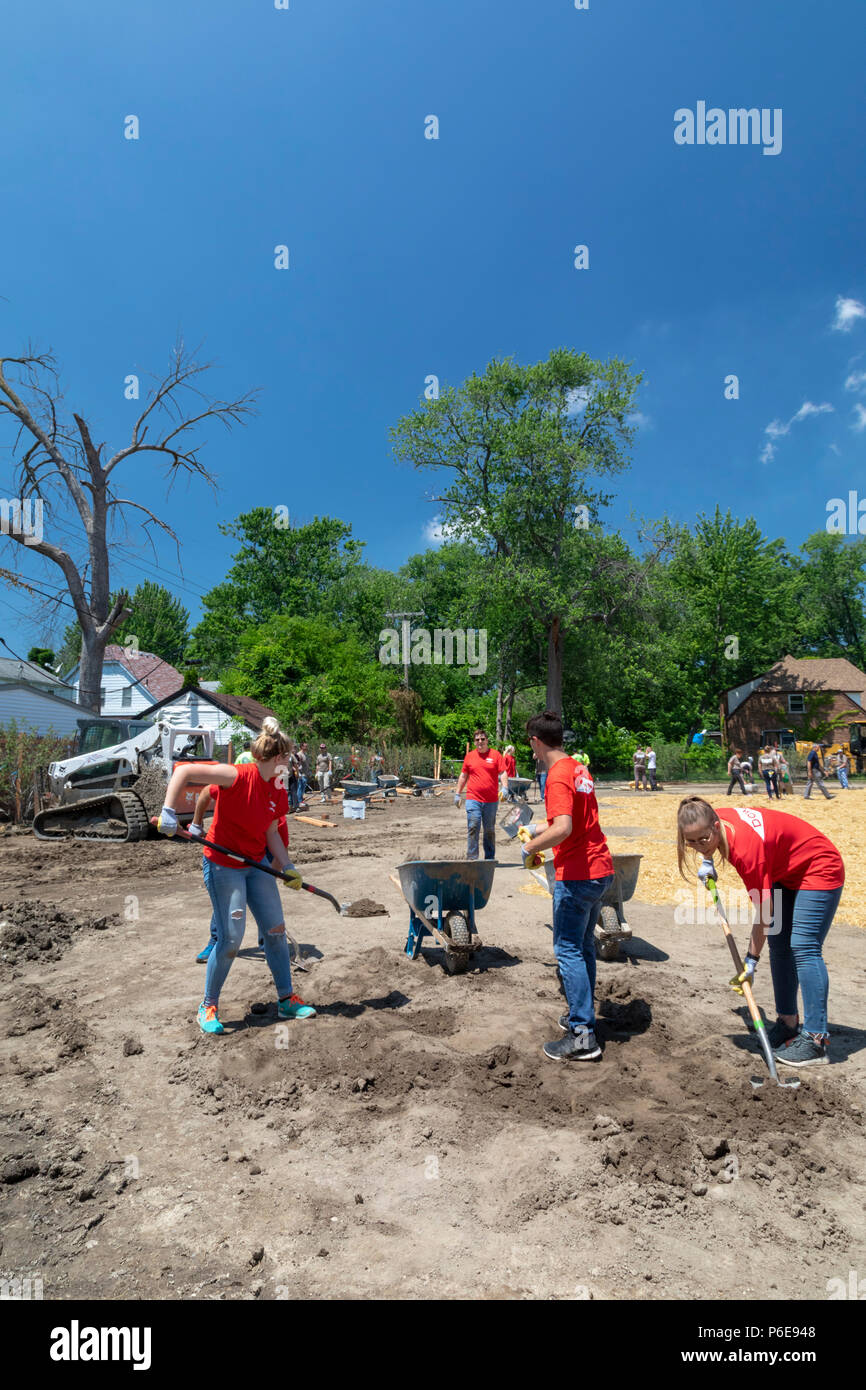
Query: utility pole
(405, 620)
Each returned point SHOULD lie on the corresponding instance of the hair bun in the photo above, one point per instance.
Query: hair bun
(270, 725)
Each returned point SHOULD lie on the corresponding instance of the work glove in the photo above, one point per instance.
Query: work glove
(291, 877)
(167, 823)
(196, 830)
(532, 858)
(746, 976)
(456, 798)
(706, 871)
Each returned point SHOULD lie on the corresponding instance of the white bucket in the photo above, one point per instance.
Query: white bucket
(354, 810)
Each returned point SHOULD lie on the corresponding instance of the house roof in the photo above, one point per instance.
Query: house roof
(237, 706)
(814, 673)
(802, 674)
(13, 669)
(43, 692)
(156, 676)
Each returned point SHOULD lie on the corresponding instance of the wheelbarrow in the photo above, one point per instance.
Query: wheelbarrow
(518, 787)
(359, 791)
(423, 786)
(611, 927)
(388, 784)
(443, 898)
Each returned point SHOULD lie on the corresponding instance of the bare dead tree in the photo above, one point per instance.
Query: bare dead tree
(56, 458)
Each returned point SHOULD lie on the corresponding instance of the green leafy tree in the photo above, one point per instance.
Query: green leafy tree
(294, 571)
(524, 451)
(41, 656)
(830, 598)
(157, 620)
(314, 677)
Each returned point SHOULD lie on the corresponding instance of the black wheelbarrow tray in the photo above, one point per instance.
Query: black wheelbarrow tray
(443, 898)
(611, 927)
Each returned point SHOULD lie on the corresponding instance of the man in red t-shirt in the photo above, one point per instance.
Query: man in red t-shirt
(486, 781)
(584, 872)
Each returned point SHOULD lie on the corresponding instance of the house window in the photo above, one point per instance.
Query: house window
(126, 696)
(796, 704)
(101, 696)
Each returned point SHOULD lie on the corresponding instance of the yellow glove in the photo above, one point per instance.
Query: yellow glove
(291, 877)
(746, 976)
(167, 823)
(532, 859)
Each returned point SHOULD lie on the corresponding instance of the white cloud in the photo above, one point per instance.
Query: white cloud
(860, 418)
(856, 382)
(435, 532)
(576, 400)
(641, 421)
(777, 428)
(848, 311)
(807, 409)
(836, 450)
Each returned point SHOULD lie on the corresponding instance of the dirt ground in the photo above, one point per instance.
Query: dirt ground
(411, 1141)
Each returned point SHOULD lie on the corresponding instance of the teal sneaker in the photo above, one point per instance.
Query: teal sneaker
(207, 1019)
(204, 956)
(294, 1007)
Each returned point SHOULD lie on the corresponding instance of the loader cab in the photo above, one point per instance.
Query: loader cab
(786, 738)
(106, 733)
(94, 734)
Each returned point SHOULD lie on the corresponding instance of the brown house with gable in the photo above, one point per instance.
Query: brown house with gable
(794, 695)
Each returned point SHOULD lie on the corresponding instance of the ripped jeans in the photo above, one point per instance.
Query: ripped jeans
(232, 891)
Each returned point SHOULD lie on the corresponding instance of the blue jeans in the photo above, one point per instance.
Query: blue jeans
(232, 890)
(206, 867)
(842, 774)
(478, 814)
(795, 953)
(576, 902)
(302, 787)
(542, 778)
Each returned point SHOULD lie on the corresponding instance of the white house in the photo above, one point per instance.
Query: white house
(36, 699)
(232, 717)
(131, 682)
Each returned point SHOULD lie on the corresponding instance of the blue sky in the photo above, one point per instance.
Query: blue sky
(411, 256)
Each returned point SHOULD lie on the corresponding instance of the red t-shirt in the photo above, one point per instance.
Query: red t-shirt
(483, 774)
(569, 791)
(510, 764)
(243, 813)
(770, 847)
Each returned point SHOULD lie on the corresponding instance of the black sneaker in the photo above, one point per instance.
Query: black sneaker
(574, 1047)
(780, 1033)
(564, 1023)
(802, 1051)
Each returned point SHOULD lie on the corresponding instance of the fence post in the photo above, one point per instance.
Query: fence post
(18, 779)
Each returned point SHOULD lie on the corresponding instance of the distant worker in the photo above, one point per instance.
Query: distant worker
(815, 774)
(324, 771)
(841, 769)
(769, 765)
(510, 768)
(486, 781)
(735, 771)
(651, 766)
(639, 763)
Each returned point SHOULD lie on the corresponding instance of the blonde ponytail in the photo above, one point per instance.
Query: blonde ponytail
(271, 742)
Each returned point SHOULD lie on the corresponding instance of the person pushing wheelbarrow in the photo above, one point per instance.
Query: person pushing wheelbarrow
(795, 874)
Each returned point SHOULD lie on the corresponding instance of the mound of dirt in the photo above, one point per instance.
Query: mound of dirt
(366, 907)
(33, 930)
(150, 788)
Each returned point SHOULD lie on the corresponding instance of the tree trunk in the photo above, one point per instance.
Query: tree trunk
(90, 671)
(499, 686)
(509, 710)
(554, 667)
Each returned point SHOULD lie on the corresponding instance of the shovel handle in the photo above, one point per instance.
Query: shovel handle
(253, 863)
(754, 1011)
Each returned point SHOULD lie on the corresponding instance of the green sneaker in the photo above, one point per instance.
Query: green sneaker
(802, 1051)
(207, 1019)
(294, 1007)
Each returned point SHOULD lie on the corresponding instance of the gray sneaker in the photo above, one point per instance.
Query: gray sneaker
(802, 1051)
(574, 1047)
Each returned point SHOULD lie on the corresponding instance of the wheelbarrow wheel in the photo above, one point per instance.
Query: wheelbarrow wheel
(457, 928)
(607, 942)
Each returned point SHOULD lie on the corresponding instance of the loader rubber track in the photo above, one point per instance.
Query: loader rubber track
(117, 817)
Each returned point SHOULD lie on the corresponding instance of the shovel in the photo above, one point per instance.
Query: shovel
(341, 908)
(760, 1028)
(514, 818)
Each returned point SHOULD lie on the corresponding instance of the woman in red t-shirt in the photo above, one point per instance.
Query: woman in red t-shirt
(794, 874)
(250, 803)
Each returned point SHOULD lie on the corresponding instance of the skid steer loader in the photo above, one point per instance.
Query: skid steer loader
(111, 793)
